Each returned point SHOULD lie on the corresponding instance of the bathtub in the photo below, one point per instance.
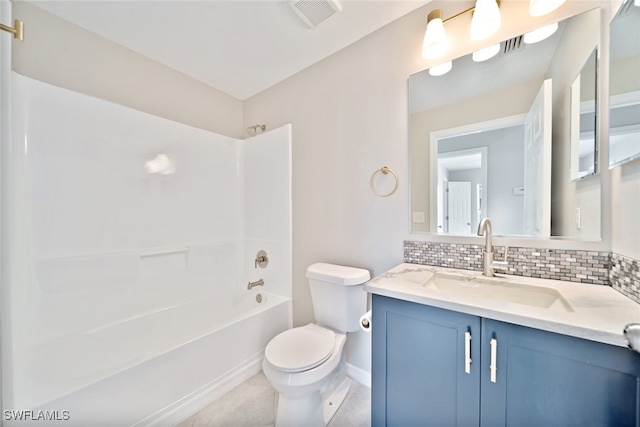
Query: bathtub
(189, 355)
(126, 300)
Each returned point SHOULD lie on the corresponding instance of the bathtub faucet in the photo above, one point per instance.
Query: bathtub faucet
(489, 265)
(254, 284)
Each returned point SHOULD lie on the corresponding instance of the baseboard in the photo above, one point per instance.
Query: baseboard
(192, 403)
(360, 375)
(189, 405)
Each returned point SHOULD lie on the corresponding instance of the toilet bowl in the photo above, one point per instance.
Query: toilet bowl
(307, 365)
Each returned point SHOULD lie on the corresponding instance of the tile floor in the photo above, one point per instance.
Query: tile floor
(251, 404)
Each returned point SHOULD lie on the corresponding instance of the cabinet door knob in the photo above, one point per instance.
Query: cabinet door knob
(467, 352)
(493, 365)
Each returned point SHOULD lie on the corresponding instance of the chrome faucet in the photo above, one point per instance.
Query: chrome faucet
(489, 265)
(252, 285)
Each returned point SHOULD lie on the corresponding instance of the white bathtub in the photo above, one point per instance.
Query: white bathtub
(126, 300)
(187, 355)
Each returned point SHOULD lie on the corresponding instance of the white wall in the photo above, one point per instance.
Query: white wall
(349, 116)
(266, 208)
(61, 53)
(579, 38)
(5, 134)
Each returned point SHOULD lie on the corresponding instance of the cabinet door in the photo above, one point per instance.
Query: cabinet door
(548, 379)
(418, 366)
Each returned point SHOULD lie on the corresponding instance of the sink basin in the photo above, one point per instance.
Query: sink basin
(535, 296)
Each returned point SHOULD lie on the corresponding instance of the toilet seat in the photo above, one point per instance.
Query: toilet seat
(300, 349)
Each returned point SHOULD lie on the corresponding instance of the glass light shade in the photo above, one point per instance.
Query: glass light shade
(486, 19)
(435, 38)
(441, 69)
(486, 53)
(540, 34)
(542, 7)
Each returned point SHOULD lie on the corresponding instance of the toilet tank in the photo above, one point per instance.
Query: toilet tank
(338, 295)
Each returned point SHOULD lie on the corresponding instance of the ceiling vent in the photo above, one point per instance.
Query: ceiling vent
(313, 12)
(512, 45)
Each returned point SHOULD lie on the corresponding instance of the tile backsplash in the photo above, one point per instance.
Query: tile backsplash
(625, 276)
(592, 267)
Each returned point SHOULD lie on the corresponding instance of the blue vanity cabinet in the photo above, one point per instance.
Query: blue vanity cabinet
(548, 379)
(418, 366)
(419, 375)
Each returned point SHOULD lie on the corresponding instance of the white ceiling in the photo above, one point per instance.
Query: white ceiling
(240, 47)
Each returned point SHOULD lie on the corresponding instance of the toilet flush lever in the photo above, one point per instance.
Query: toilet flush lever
(262, 260)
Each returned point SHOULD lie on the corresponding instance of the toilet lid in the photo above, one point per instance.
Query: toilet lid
(300, 349)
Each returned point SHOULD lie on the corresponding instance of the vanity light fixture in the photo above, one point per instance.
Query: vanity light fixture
(435, 39)
(486, 21)
(441, 69)
(542, 7)
(486, 53)
(540, 34)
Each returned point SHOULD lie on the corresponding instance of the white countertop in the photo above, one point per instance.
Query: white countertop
(599, 313)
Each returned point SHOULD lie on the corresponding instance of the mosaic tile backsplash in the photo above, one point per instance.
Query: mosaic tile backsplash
(559, 264)
(599, 268)
(625, 276)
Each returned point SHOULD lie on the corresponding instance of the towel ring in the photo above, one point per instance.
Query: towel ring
(384, 170)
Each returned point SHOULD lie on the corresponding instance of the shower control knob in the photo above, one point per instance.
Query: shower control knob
(262, 260)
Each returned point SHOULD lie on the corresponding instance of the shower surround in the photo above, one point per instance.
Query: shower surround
(131, 240)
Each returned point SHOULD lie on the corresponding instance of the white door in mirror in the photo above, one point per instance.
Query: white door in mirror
(537, 168)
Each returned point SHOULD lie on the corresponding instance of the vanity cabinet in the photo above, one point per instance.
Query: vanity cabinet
(435, 367)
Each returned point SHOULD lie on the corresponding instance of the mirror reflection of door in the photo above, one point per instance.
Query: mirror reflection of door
(459, 207)
(490, 156)
(460, 174)
(537, 168)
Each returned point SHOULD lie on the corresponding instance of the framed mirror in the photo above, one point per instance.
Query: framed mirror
(624, 85)
(515, 106)
(584, 159)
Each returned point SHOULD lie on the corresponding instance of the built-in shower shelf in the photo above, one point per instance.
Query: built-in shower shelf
(162, 252)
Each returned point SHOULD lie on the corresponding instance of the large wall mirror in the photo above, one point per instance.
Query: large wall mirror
(624, 85)
(492, 139)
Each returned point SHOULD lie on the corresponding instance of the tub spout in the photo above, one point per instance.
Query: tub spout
(254, 284)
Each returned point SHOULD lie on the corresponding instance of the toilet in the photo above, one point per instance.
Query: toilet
(307, 365)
